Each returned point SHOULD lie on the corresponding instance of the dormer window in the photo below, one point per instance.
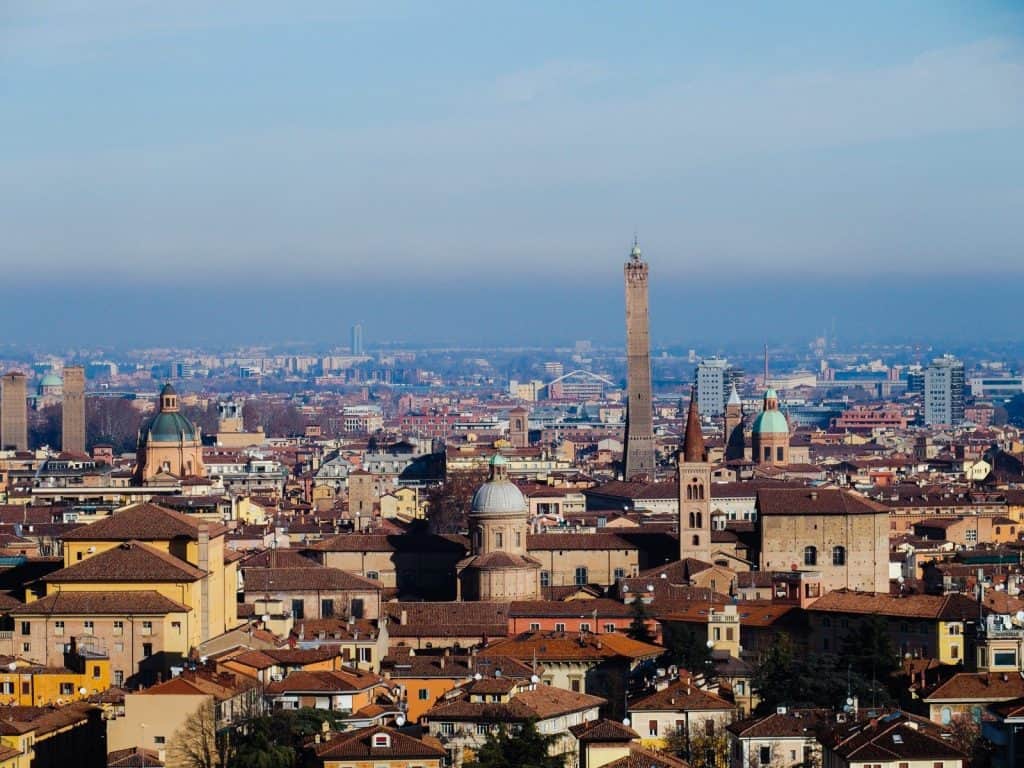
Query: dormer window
(381, 741)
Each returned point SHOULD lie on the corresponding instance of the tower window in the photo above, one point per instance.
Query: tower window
(767, 453)
(696, 540)
(778, 453)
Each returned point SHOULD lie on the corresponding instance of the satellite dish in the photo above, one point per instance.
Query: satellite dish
(625, 721)
(650, 587)
(265, 618)
(12, 666)
(900, 579)
(849, 700)
(202, 659)
(1020, 615)
(478, 676)
(82, 691)
(711, 643)
(625, 587)
(400, 720)
(534, 679)
(664, 575)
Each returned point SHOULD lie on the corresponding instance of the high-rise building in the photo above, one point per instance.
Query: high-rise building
(715, 378)
(13, 413)
(944, 391)
(73, 410)
(357, 339)
(639, 448)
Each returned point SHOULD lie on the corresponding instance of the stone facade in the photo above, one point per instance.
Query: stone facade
(639, 448)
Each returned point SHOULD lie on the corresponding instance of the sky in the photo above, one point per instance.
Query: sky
(281, 170)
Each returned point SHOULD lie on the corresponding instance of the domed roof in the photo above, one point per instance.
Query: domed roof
(498, 497)
(51, 380)
(770, 423)
(771, 395)
(169, 427)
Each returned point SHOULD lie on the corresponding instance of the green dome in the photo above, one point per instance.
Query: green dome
(51, 380)
(170, 427)
(770, 395)
(497, 460)
(770, 423)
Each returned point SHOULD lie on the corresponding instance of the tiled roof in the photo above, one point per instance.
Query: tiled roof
(575, 541)
(498, 561)
(978, 686)
(278, 558)
(950, 607)
(604, 607)
(572, 646)
(305, 579)
(134, 757)
(815, 501)
(359, 745)
(793, 723)
(888, 739)
(144, 522)
(640, 757)
(302, 681)
(130, 561)
(681, 696)
(449, 619)
(143, 602)
(603, 731)
(543, 702)
(456, 667)
(373, 542)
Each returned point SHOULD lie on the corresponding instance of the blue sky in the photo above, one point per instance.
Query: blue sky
(374, 141)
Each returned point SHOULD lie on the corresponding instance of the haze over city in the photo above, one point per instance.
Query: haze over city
(494, 158)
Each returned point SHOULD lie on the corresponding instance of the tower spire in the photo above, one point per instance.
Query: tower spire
(693, 440)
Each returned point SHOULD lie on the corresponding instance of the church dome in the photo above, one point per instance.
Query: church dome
(170, 427)
(51, 380)
(770, 423)
(499, 495)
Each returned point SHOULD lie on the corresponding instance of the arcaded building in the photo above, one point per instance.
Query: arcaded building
(498, 567)
(169, 444)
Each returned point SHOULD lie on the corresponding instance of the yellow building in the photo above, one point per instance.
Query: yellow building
(403, 503)
(25, 684)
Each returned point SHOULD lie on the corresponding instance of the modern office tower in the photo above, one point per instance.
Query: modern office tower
(639, 448)
(357, 339)
(715, 378)
(944, 391)
(13, 413)
(73, 410)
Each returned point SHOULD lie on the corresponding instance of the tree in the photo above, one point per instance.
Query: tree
(196, 745)
(967, 737)
(524, 747)
(257, 747)
(638, 628)
(44, 426)
(685, 647)
(449, 503)
(112, 421)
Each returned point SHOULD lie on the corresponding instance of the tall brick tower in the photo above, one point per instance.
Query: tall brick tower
(694, 490)
(13, 413)
(73, 410)
(639, 449)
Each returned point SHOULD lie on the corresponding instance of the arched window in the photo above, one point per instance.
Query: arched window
(700, 519)
(810, 556)
(689, 493)
(693, 520)
(700, 488)
(838, 555)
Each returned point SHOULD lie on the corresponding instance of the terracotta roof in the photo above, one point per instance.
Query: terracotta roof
(978, 686)
(130, 561)
(305, 579)
(456, 667)
(144, 522)
(950, 607)
(576, 541)
(449, 619)
(815, 501)
(792, 723)
(359, 745)
(640, 757)
(374, 542)
(134, 757)
(681, 696)
(278, 558)
(604, 607)
(146, 602)
(200, 685)
(888, 739)
(498, 561)
(543, 702)
(603, 731)
(324, 681)
(693, 440)
(572, 646)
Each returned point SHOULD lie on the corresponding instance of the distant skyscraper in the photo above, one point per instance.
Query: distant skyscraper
(639, 448)
(13, 413)
(944, 391)
(357, 339)
(715, 379)
(73, 410)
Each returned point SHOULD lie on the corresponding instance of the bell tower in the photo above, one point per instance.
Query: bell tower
(694, 490)
(735, 447)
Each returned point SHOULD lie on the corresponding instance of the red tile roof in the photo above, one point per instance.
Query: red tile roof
(144, 522)
(130, 561)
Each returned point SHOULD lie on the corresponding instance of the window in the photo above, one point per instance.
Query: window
(446, 729)
(559, 627)
(373, 575)
(696, 540)
(119, 677)
(709, 727)
(58, 627)
(499, 539)
(779, 455)
(176, 626)
(298, 609)
(545, 578)
(652, 728)
(609, 627)
(954, 651)
(88, 627)
(326, 608)
(519, 539)
(620, 573)
(381, 740)
(26, 627)
(7, 687)
(67, 689)
(147, 628)
(147, 650)
(765, 755)
(159, 739)
(26, 688)
(118, 627)
(584, 626)
(423, 694)
(810, 556)
(26, 647)
(482, 728)
(838, 555)
(581, 576)
(534, 626)
(95, 671)
(954, 629)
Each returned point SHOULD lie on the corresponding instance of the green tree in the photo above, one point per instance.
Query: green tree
(524, 747)
(638, 629)
(257, 747)
(685, 647)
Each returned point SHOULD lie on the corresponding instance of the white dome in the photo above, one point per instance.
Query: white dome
(499, 497)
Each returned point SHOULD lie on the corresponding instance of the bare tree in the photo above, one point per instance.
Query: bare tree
(196, 745)
(450, 502)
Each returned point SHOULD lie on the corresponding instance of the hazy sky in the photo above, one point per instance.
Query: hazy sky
(340, 144)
